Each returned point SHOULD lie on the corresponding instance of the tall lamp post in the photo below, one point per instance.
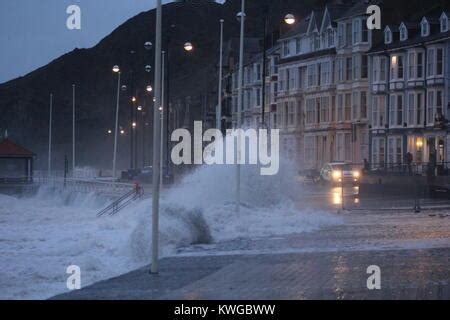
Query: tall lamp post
(219, 104)
(241, 15)
(156, 141)
(73, 130)
(116, 69)
(49, 168)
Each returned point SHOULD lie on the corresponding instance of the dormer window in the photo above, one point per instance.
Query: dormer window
(444, 22)
(425, 28)
(403, 32)
(387, 36)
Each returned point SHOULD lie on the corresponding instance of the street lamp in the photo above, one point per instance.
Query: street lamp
(156, 140)
(139, 108)
(149, 88)
(148, 68)
(133, 99)
(188, 46)
(148, 45)
(116, 69)
(241, 17)
(289, 19)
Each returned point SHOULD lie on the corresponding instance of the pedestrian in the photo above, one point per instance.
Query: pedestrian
(409, 161)
(366, 165)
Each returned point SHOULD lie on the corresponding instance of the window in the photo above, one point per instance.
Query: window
(430, 108)
(348, 107)
(399, 110)
(258, 72)
(364, 66)
(348, 69)
(411, 65)
(419, 109)
(258, 97)
(340, 35)
(387, 36)
(341, 68)
(355, 101)
(324, 109)
(403, 33)
(382, 69)
(363, 105)
(288, 78)
(286, 49)
(411, 108)
(395, 150)
(298, 45)
(310, 111)
(430, 64)
(348, 147)
(396, 110)
(325, 78)
(419, 73)
(425, 28)
(378, 111)
(316, 41)
(348, 34)
(291, 113)
(444, 23)
(333, 109)
(439, 61)
(397, 67)
(435, 62)
(330, 36)
(378, 152)
(365, 31)
(400, 68)
(356, 31)
(356, 67)
(340, 108)
(438, 114)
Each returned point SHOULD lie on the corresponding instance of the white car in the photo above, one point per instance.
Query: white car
(338, 172)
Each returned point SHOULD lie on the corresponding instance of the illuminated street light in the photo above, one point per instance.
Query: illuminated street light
(124, 88)
(133, 99)
(149, 88)
(109, 131)
(139, 108)
(188, 46)
(116, 69)
(134, 124)
(148, 45)
(148, 68)
(122, 132)
(289, 19)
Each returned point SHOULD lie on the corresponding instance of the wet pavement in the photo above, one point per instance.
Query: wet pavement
(411, 249)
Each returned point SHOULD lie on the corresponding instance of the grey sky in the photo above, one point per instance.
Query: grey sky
(34, 32)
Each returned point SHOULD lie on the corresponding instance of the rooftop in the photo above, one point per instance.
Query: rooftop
(9, 148)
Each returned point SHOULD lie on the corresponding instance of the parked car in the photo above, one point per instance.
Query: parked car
(340, 172)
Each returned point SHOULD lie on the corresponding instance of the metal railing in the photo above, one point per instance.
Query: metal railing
(123, 201)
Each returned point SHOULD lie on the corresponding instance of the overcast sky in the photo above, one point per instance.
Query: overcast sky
(34, 32)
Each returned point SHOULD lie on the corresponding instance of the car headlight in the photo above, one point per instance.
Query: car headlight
(337, 175)
(356, 174)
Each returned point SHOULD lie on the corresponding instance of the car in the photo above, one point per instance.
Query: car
(340, 172)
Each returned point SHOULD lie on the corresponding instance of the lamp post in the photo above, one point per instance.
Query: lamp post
(163, 109)
(241, 15)
(156, 141)
(49, 168)
(116, 69)
(219, 104)
(73, 129)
